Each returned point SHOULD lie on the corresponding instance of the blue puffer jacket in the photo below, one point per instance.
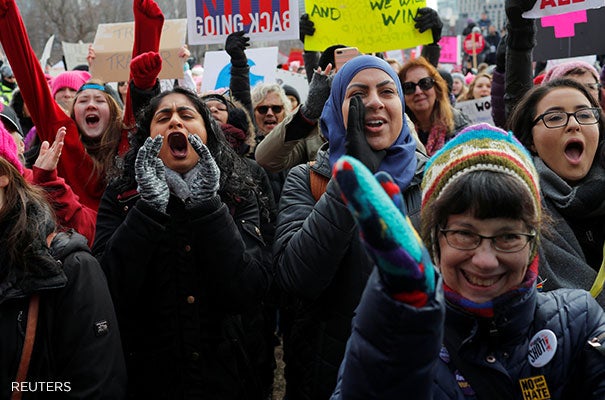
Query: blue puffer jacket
(395, 350)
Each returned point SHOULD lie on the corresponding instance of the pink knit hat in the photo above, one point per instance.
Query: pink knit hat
(71, 79)
(561, 70)
(8, 149)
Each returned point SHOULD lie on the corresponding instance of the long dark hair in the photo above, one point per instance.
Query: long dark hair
(521, 120)
(236, 181)
(26, 219)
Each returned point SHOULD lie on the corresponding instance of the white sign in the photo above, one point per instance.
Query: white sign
(478, 110)
(217, 68)
(544, 8)
(211, 21)
(297, 81)
(75, 54)
(46, 52)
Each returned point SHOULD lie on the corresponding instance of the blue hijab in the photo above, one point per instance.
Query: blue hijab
(400, 160)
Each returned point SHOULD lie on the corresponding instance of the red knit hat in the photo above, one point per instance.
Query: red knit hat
(71, 79)
(8, 149)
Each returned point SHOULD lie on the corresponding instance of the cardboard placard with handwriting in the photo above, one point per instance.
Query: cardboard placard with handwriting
(113, 48)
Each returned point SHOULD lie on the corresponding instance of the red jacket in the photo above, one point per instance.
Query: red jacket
(75, 165)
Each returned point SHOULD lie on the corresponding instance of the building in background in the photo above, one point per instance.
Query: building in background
(457, 12)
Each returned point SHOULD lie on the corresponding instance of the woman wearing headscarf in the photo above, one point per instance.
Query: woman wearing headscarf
(319, 259)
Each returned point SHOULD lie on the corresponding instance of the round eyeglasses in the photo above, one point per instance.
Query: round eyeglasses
(505, 242)
(557, 119)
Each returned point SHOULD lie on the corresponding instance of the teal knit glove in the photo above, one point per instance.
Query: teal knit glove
(376, 203)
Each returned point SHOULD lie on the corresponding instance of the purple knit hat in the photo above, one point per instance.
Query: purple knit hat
(561, 70)
(8, 149)
(71, 79)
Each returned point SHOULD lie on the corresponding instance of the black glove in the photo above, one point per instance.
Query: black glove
(203, 179)
(150, 175)
(521, 31)
(235, 45)
(427, 18)
(356, 143)
(306, 27)
(319, 91)
(501, 55)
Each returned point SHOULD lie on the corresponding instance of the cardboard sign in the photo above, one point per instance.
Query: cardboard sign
(370, 25)
(75, 54)
(217, 68)
(580, 39)
(478, 110)
(297, 81)
(46, 52)
(211, 21)
(113, 48)
(544, 8)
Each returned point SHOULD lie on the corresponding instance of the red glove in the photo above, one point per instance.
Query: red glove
(145, 69)
(148, 23)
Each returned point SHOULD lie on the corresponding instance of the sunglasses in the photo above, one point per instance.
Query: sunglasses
(265, 109)
(424, 84)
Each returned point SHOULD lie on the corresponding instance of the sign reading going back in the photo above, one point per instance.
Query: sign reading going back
(211, 21)
(369, 25)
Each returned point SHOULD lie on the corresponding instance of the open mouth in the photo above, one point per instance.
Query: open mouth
(375, 123)
(574, 150)
(92, 119)
(477, 281)
(177, 142)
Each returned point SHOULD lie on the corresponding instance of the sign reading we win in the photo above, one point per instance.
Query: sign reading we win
(370, 25)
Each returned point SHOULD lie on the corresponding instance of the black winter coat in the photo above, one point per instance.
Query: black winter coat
(320, 260)
(177, 280)
(77, 346)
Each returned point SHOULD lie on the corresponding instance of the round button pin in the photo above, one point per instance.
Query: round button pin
(542, 348)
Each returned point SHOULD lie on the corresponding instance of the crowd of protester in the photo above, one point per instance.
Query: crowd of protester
(157, 242)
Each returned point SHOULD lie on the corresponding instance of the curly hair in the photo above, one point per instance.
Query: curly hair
(236, 182)
(442, 110)
(104, 151)
(261, 90)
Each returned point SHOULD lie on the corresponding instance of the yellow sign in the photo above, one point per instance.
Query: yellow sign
(534, 388)
(370, 25)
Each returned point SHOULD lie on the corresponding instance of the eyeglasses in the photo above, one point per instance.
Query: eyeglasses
(505, 243)
(425, 84)
(557, 119)
(265, 109)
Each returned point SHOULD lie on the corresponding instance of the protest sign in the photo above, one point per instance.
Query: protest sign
(75, 54)
(544, 8)
(113, 48)
(450, 50)
(46, 52)
(217, 68)
(570, 35)
(478, 110)
(369, 25)
(296, 80)
(211, 21)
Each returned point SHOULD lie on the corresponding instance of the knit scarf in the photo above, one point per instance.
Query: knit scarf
(486, 310)
(436, 138)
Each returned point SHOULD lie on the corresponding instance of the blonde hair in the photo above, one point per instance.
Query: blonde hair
(261, 90)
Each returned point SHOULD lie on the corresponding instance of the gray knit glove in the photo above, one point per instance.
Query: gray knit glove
(203, 179)
(319, 91)
(150, 175)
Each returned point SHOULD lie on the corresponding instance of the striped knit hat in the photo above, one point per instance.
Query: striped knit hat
(480, 147)
(483, 147)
